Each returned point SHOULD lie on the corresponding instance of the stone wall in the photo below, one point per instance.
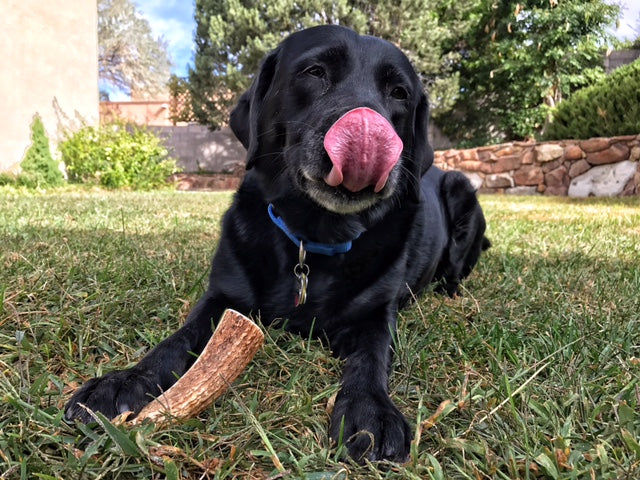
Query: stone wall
(578, 168)
(208, 181)
(198, 149)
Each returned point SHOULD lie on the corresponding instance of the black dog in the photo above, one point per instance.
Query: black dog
(339, 169)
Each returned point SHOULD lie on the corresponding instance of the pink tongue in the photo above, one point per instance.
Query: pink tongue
(363, 148)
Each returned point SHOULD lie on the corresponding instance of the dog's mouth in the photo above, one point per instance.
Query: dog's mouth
(341, 200)
(363, 149)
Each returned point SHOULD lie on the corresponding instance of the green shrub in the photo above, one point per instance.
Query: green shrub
(7, 179)
(117, 155)
(39, 169)
(608, 108)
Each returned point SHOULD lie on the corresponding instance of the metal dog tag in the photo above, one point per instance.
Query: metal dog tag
(301, 271)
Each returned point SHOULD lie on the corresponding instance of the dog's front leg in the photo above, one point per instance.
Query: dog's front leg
(364, 417)
(130, 389)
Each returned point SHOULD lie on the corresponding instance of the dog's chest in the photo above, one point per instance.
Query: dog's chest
(332, 287)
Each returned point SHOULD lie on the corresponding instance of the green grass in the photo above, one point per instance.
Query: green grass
(534, 373)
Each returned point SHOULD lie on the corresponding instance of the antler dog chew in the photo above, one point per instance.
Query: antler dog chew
(229, 350)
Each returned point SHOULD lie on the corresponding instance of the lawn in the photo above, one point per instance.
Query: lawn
(533, 373)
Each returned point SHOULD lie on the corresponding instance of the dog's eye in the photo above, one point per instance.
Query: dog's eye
(315, 71)
(399, 93)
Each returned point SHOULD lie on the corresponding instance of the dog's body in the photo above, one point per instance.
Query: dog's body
(406, 230)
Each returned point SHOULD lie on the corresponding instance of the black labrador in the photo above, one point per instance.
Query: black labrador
(339, 221)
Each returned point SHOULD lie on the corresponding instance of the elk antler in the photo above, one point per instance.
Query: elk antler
(230, 349)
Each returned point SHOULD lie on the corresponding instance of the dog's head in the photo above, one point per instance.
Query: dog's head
(341, 117)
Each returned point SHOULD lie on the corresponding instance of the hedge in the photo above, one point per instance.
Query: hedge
(608, 108)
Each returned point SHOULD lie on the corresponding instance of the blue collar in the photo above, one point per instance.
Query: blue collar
(328, 249)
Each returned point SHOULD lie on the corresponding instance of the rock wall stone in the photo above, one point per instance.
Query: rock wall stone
(577, 168)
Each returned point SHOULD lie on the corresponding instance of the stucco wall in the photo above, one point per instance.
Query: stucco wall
(618, 58)
(198, 149)
(48, 54)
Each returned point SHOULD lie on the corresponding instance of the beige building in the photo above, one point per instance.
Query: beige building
(49, 65)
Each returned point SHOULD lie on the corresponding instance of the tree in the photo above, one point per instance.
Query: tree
(233, 35)
(521, 59)
(129, 58)
(39, 168)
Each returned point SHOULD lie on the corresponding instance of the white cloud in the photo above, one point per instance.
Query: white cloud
(173, 21)
(630, 19)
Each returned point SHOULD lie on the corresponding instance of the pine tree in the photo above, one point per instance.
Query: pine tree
(232, 36)
(39, 168)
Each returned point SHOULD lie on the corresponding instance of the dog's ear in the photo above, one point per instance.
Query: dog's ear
(245, 117)
(239, 119)
(422, 151)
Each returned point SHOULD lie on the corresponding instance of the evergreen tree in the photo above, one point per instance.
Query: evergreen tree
(233, 35)
(39, 168)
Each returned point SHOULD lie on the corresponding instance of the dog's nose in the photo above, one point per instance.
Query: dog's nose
(363, 148)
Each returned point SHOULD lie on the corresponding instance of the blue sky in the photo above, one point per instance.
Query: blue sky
(173, 20)
(630, 20)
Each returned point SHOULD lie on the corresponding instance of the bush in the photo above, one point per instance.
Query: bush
(117, 155)
(39, 169)
(608, 108)
(7, 179)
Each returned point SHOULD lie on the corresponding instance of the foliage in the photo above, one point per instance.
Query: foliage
(129, 58)
(522, 58)
(7, 179)
(39, 168)
(535, 368)
(117, 155)
(232, 36)
(608, 108)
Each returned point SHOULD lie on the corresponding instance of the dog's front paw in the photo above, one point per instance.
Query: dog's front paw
(371, 427)
(112, 394)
